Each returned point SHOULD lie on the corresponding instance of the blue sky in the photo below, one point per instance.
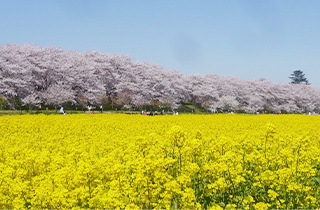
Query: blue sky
(251, 39)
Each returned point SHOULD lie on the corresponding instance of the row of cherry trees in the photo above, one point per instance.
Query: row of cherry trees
(54, 76)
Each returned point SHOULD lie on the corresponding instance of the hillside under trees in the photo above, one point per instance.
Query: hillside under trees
(52, 76)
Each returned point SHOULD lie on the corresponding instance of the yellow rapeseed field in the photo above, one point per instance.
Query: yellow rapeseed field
(140, 162)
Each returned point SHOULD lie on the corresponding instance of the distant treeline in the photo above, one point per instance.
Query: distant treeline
(32, 75)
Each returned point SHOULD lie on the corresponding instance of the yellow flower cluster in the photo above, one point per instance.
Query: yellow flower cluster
(140, 162)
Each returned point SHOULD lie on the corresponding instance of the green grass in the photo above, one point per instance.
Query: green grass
(184, 108)
(48, 112)
(199, 109)
(23, 112)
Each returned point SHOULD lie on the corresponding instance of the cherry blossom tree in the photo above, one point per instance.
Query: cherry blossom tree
(2, 101)
(57, 95)
(168, 102)
(55, 76)
(227, 103)
(140, 101)
(31, 101)
(123, 98)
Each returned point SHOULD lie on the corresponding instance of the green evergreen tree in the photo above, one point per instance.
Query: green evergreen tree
(298, 77)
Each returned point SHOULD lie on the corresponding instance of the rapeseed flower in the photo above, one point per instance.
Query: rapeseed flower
(164, 162)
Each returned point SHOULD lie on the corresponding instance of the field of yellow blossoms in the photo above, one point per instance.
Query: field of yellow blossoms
(177, 162)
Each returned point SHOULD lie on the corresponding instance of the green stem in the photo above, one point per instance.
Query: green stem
(265, 147)
(297, 165)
